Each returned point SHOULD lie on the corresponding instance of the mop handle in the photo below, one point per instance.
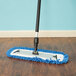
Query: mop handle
(38, 16)
(36, 39)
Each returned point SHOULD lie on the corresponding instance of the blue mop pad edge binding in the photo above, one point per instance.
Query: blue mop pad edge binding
(65, 58)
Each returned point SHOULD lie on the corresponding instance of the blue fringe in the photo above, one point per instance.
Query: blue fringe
(65, 60)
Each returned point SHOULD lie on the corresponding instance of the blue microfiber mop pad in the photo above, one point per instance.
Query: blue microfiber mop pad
(35, 58)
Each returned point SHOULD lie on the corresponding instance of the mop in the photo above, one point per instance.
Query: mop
(35, 54)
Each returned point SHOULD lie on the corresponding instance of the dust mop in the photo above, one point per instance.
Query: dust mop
(35, 54)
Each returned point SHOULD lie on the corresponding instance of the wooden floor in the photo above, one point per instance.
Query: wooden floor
(16, 67)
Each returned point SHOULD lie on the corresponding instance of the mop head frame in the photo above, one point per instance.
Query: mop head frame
(45, 56)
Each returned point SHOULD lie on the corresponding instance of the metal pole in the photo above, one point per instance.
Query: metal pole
(36, 39)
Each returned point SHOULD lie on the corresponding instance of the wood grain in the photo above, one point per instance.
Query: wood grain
(16, 67)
